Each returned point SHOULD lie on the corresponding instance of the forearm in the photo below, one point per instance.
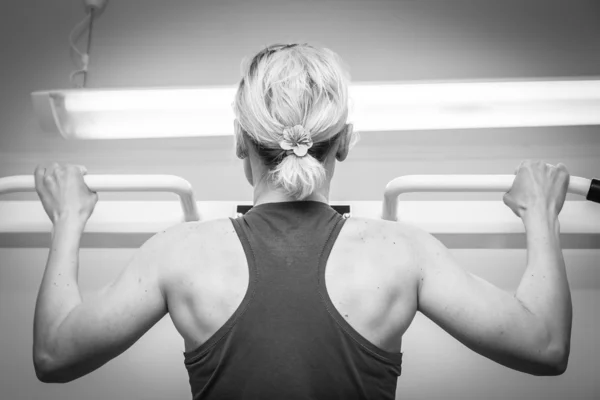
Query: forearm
(544, 288)
(59, 291)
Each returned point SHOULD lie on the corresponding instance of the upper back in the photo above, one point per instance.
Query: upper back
(370, 276)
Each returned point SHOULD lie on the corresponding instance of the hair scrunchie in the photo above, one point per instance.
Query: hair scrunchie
(296, 140)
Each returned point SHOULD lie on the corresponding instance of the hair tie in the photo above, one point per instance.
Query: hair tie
(296, 139)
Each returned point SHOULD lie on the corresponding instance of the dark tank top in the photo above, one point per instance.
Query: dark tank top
(286, 340)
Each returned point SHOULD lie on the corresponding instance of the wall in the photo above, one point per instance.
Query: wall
(185, 42)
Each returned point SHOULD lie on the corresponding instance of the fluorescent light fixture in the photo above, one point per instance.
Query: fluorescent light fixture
(207, 111)
(136, 113)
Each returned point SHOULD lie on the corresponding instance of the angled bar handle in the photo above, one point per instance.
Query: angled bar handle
(468, 183)
(120, 183)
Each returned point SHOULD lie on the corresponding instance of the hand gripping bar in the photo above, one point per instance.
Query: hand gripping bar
(468, 183)
(120, 183)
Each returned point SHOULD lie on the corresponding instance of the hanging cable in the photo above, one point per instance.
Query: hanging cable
(84, 57)
(77, 27)
(89, 46)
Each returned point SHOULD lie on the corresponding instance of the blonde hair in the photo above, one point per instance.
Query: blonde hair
(287, 85)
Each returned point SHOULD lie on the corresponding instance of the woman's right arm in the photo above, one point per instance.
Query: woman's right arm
(528, 330)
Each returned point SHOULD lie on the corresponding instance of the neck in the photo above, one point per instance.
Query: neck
(265, 195)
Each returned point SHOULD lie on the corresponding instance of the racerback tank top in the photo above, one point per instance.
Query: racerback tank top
(286, 340)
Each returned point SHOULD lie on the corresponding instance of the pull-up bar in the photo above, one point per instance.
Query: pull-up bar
(468, 183)
(120, 183)
(459, 224)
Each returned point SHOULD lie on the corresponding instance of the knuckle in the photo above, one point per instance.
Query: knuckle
(51, 168)
(562, 167)
(73, 168)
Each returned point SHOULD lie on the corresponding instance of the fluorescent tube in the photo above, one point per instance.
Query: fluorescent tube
(186, 112)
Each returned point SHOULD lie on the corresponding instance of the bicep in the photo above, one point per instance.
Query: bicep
(108, 322)
(485, 318)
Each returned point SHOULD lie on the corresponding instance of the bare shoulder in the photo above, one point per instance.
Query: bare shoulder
(393, 243)
(180, 242)
(196, 233)
(383, 231)
(410, 235)
(184, 229)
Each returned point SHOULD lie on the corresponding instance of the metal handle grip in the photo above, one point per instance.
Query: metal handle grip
(459, 183)
(120, 183)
